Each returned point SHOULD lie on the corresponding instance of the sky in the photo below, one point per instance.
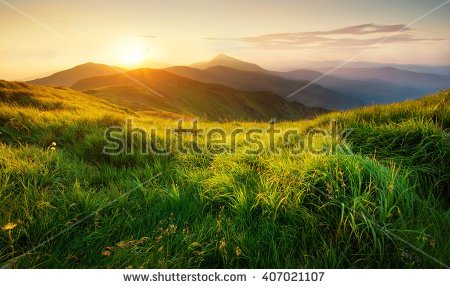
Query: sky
(43, 36)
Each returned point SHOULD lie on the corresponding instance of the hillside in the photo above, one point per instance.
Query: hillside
(136, 90)
(313, 95)
(388, 179)
(70, 76)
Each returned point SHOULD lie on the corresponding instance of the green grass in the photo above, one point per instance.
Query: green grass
(221, 211)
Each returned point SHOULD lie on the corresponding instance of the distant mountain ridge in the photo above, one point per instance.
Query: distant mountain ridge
(368, 90)
(71, 76)
(313, 95)
(395, 76)
(384, 83)
(365, 86)
(320, 65)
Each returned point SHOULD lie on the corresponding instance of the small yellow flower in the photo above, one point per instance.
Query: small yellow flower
(52, 147)
(223, 245)
(9, 226)
(391, 188)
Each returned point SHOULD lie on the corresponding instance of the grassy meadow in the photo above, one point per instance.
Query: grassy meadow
(384, 203)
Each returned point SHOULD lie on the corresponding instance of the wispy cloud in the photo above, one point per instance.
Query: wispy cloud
(147, 36)
(362, 29)
(346, 37)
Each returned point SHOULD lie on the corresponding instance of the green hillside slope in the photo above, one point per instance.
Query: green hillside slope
(136, 90)
(381, 200)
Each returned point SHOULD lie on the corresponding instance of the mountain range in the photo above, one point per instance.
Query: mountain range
(370, 91)
(228, 87)
(394, 75)
(312, 95)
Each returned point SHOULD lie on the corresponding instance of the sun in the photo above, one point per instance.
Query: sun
(132, 54)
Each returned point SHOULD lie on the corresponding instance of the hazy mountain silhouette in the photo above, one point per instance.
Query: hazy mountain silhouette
(70, 76)
(329, 64)
(368, 90)
(228, 61)
(188, 97)
(396, 76)
(354, 90)
(313, 95)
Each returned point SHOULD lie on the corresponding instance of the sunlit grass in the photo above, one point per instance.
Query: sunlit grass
(225, 210)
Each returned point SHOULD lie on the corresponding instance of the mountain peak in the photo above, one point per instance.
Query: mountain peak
(222, 56)
(88, 64)
(230, 62)
(70, 76)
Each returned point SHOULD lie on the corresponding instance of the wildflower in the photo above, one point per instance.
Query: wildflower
(391, 188)
(9, 226)
(195, 245)
(238, 251)
(52, 147)
(171, 229)
(432, 243)
(106, 253)
(186, 230)
(72, 258)
(223, 245)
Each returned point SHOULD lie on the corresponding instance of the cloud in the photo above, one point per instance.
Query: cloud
(363, 35)
(363, 29)
(147, 36)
